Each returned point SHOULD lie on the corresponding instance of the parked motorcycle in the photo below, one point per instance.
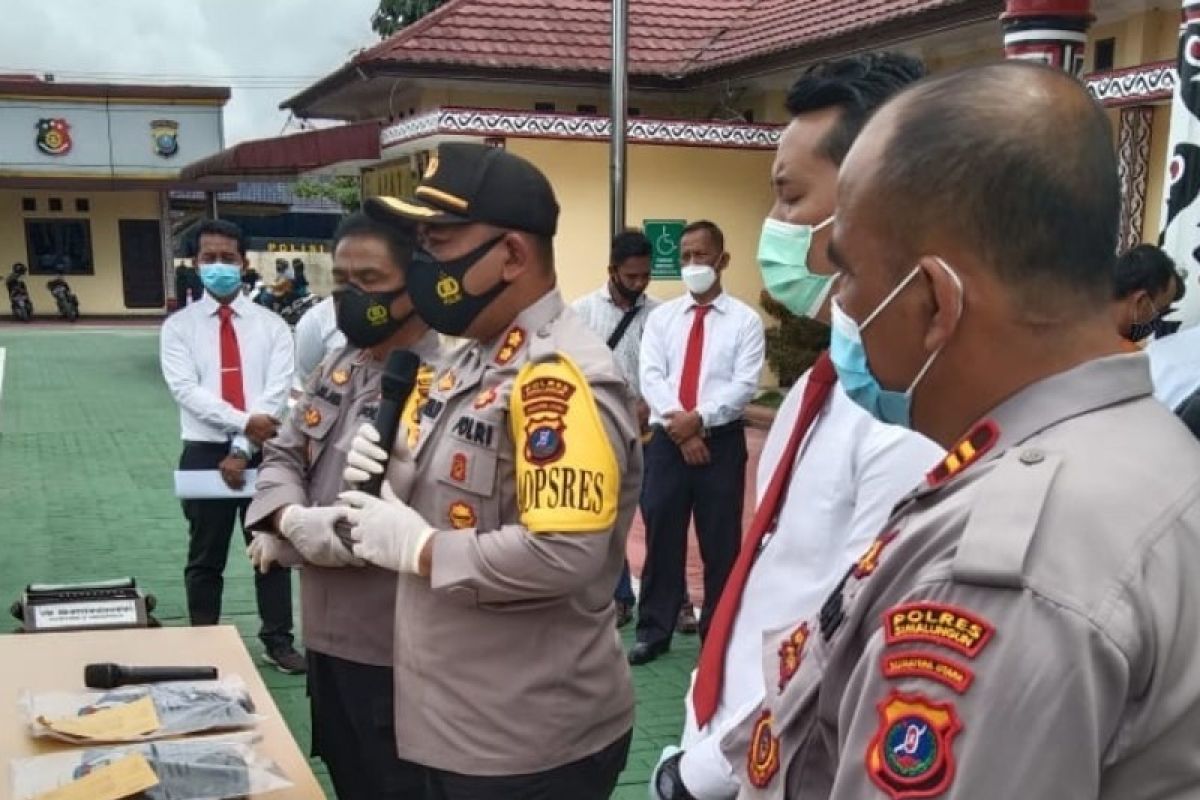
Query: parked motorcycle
(68, 303)
(18, 293)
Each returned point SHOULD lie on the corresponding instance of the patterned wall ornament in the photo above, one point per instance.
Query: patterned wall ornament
(1133, 165)
(528, 124)
(1143, 84)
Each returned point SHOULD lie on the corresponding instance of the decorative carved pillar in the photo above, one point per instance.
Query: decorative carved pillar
(1133, 164)
(1051, 32)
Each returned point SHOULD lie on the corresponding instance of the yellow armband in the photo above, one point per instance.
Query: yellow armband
(567, 475)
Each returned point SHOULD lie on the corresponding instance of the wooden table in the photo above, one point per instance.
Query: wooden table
(55, 661)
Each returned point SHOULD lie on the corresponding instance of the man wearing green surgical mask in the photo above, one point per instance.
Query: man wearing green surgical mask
(819, 507)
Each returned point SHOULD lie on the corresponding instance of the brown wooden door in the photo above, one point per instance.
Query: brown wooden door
(141, 263)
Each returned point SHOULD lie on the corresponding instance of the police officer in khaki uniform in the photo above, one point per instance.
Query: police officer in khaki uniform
(1026, 623)
(348, 605)
(510, 678)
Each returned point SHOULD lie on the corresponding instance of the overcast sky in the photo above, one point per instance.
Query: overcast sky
(256, 46)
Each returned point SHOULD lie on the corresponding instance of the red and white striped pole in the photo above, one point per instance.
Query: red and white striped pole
(1051, 32)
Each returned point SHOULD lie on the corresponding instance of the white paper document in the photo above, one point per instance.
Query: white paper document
(207, 484)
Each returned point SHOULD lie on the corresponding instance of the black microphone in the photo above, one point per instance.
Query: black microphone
(110, 676)
(399, 380)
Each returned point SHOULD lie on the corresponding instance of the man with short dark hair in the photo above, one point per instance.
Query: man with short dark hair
(1146, 284)
(700, 362)
(510, 681)
(617, 313)
(1024, 626)
(829, 474)
(228, 364)
(348, 606)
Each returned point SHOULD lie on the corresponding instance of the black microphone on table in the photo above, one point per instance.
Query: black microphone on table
(399, 380)
(110, 676)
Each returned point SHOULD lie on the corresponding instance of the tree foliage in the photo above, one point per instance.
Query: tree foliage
(392, 15)
(342, 189)
(794, 344)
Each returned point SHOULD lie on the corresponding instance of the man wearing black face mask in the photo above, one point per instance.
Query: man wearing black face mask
(509, 679)
(617, 313)
(347, 604)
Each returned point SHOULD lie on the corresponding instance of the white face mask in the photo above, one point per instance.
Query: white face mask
(698, 278)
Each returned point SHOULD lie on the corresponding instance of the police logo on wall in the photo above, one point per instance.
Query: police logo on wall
(53, 136)
(165, 134)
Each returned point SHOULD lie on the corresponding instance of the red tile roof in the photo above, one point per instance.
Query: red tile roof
(668, 38)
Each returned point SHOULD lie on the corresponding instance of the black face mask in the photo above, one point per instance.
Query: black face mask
(366, 317)
(437, 291)
(630, 295)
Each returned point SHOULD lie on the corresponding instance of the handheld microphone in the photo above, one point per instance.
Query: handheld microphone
(399, 379)
(110, 676)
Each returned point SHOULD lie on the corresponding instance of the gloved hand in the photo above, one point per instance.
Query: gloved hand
(311, 531)
(266, 550)
(668, 752)
(386, 531)
(367, 458)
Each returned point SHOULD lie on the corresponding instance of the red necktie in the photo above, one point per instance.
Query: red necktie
(689, 382)
(711, 671)
(231, 362)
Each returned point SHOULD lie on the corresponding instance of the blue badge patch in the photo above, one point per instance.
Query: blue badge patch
(545, 444)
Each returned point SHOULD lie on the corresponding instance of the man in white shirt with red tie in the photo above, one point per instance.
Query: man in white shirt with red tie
(228, 363)
(699, 366)
(829, 473)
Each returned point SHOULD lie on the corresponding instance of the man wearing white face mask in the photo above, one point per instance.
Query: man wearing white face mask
(228, 364)
(829, 473)
(700, 362)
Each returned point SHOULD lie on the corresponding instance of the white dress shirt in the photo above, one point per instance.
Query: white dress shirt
(601, 313)
(849, 473)
(190, 349)
(729, 367)
(1175, 366)
(317, 336)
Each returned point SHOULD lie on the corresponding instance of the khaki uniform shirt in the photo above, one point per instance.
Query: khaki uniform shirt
(346, 612)
(529, 465)
(1026, 625)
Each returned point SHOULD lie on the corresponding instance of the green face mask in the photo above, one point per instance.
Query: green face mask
(783, 260)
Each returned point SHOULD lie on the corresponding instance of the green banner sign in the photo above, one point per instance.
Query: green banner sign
(664, 236)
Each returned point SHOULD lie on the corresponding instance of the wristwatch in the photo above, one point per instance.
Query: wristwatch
(669, 783)
(238, 452)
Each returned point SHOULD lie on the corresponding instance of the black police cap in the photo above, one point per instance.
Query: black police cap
(475, 183)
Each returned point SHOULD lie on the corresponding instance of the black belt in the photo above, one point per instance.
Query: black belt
(711, 433)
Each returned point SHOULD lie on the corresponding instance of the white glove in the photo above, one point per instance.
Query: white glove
(366, 458)
(266, 550)
(386, 531)
(312, 532)
(667, 752)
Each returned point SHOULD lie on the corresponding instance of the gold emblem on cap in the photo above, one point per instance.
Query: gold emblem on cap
(377, 314)
(449, 290)
(340, 377)
(432, 168)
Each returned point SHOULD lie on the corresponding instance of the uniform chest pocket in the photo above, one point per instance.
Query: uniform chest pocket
(467, 456)
(315, 418)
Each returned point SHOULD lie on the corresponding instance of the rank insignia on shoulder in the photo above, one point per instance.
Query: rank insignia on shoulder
(340, 377)
(791, 651)
(911, 755)
(969, 449)
(869, 561)
(929, 665)
(762, 762)
(513, 339)
(461, 515)
(312, 417)
(936, 623)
